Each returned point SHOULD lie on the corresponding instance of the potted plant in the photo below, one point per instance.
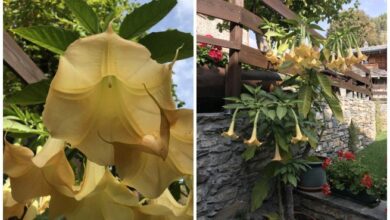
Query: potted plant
(315, 177)
(349, 178)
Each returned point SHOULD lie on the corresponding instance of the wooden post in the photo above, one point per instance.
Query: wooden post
(233, 75)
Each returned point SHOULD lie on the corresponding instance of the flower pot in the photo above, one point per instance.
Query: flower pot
(313, 179)
(362, 198)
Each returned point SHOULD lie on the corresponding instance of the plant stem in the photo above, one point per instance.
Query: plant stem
(280, 199)
(289, 201)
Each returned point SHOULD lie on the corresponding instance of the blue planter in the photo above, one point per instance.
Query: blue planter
(313, 179)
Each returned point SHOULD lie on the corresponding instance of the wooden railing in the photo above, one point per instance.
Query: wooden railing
(240, 17)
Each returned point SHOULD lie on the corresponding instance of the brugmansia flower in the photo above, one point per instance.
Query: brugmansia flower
(166, 207)
(34, 176)
(253, 142)
(272, 57)
(11, 208)
(105, 198)
(298, 136)
(360, 57)
(97, 97)
(300, 58)
(277, 156)
(149, 174)
(37, 207)
(230, 133)
(351, 58)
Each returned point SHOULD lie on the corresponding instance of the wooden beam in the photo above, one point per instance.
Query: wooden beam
(252, 56)
(20, 61)
(250, 20)
(282, 9)
(219, 9)
(218, 42)
(233, 74)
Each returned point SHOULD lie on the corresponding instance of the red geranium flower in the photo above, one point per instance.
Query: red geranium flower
(366, 181)
(326, 189)
(326, 163)
(349, 155)
(340, 154)
(216, 55)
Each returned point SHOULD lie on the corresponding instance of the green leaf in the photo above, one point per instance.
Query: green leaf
(334, 105)
(145, 17)
(259, 193)
(16, 127)
(163, 45)
(246, 97)
(272, 34)
(32, 94)
(234, 99)
(292, 180)
(281, 111)
(305, 94)
(250, 88)
(249, 153)
(84, 14)
(313, 139)
(280, 139)
(233, 106)
(52, 38)
(325, 83)
(271, 114)
(316, 27)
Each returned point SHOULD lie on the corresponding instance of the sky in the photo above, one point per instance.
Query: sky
(373, 8)
(181, 18)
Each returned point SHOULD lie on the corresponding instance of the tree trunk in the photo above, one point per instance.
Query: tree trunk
(289, 199)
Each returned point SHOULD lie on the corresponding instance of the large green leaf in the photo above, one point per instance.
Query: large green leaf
(84, 14)
(281, 111)
(249, 153)
(16, 127)
(325, 83)
(145, 17)
(334, 104)
(30, 95)
(52, 38)
(259, 193)
(163, 45)
(305, 94)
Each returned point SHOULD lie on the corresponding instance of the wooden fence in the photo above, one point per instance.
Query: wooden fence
(240, 17)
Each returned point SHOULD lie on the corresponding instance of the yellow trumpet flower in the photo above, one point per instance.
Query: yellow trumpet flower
(98, 91)
(34, 176)
(11, 208)
(303, 50)
(106, 198)
(360, 57)
(230, 133)
(298, 137)
(277, 156)
(272, 57)
(253, 142)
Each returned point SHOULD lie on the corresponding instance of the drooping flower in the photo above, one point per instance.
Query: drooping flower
(326, 189)
(11, 208)
(230, 133)
(97, 97)
(366, 181)
(272, 57)
(360, 57)
(253, 142)
(277, 156)
(351, 58)
(298, 136)
(326, 163)
(34, 176)
(349, 155)
(149, 174)
(37, 207)
(166, 207)
(303, 50)
(106, 198)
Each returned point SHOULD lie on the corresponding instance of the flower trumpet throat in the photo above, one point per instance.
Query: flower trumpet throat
(277, 156)
(253, 142)
(230, 133)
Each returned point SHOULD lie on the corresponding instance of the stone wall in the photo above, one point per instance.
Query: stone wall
(336, 135)
(224, 179)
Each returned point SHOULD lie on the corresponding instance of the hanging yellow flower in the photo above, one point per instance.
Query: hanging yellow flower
(272, 57)
(253, 142)
(109, 199)
(34, 176)
(298, 137)
(97, 97)
(277, 156)
(230, 133)
(360, 57)
(11, 208)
